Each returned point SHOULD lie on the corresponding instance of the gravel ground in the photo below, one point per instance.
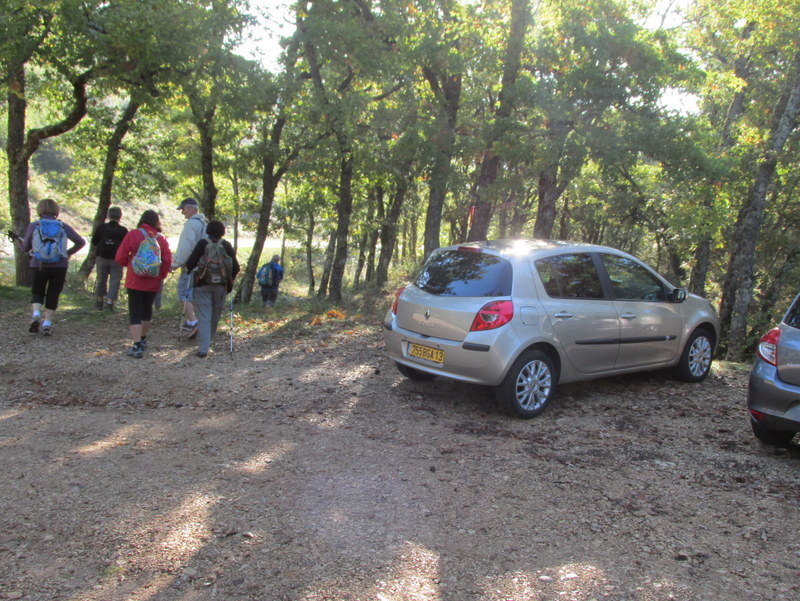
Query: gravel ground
(304, 467)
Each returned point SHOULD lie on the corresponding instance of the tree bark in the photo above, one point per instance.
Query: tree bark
(344, 209)
(330, 251)
(447, 90)
(388, 232)
(309, 245)
(737, 294)
(113, 147)
(21, 147)
(483, 199)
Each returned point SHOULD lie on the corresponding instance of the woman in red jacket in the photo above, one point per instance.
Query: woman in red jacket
(142, 289)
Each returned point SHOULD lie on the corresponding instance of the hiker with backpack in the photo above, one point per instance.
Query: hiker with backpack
(106, 239)
(193, 230)
(216, 268)
(46, 242)
(145, 253)
(269, 278)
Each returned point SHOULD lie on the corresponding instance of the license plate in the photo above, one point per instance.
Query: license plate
(426, 352)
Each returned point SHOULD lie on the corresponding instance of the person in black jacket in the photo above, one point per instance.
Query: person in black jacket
(209, 298)
(107, 239)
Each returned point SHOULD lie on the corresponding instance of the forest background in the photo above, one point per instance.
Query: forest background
(388, 128)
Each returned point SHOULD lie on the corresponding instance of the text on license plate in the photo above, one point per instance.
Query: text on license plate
(426, 352)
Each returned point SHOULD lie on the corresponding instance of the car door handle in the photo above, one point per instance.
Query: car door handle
(563, 315)
(628, 316)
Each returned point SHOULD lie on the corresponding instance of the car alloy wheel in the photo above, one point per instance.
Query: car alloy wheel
(528, 385)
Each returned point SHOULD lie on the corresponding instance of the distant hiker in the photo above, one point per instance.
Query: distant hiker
(217, 267)
(269, 278)
(145, 252)
(46, 241)
(108, 272)
(193, 230)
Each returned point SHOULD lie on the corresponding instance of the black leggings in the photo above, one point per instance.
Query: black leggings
(47, 285)
(140, 306)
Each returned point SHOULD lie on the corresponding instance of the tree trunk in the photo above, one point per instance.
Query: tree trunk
(374, 234)
(739, 280)
(107, 183)
(309, 245)
(326, 270)
(549, 193)
(18, 170)
(483, 199)
(22, 146)
(271, 175)
(388, 233)
(345, 210)
(447, 89)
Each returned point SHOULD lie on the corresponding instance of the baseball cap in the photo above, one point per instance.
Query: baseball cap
(187, 202)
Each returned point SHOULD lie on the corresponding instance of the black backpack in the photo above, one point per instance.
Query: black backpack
(110, 238)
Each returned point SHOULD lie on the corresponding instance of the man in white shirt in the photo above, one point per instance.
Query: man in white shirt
(193, 230)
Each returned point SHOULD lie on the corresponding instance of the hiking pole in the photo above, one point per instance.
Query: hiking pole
(230, 328)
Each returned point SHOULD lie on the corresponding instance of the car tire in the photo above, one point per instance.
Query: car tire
(414, 374)
(528, 386)
(775, 438)
(695, 362)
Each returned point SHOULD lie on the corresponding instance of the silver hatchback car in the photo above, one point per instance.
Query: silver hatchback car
(773, 394)
(524, 315)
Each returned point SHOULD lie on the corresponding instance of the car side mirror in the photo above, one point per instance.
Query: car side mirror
(678, 295)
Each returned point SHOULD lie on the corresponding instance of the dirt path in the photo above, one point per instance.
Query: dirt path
(306, 468)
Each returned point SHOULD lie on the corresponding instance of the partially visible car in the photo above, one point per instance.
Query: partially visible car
(773, 392)
(524, 315)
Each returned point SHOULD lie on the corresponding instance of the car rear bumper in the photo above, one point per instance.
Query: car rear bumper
(778, 401)
(482, 360)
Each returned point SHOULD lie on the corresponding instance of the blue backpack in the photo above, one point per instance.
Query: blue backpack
(49, 244)
(266, 275)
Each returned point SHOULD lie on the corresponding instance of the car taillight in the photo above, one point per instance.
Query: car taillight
(397, 298)
(768, 346)
(493, 315)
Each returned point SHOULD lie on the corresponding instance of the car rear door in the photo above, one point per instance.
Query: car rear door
(789, 346)
(584, 320)
(650, 325)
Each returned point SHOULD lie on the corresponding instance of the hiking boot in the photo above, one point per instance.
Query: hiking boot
(34, 326)
(189, 330)
(201, 354)
(98, 305)
(136, 351)
(110, 307)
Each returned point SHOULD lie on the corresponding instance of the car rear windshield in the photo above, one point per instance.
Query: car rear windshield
(793, 316)
(465, 273)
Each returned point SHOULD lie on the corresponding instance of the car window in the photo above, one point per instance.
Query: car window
(631, 281)
(465, 273)
(570, 276)
(793, 315)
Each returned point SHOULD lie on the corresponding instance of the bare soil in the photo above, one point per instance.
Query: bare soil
(304, 467)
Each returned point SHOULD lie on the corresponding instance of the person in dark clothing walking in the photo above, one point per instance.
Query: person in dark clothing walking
(209, 297)
(108, 272)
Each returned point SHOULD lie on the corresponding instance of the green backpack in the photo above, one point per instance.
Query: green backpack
(215, 267)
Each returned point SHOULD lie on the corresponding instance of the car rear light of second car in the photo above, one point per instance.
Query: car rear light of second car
(768, 346)
(493, 315)
(397, 299)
